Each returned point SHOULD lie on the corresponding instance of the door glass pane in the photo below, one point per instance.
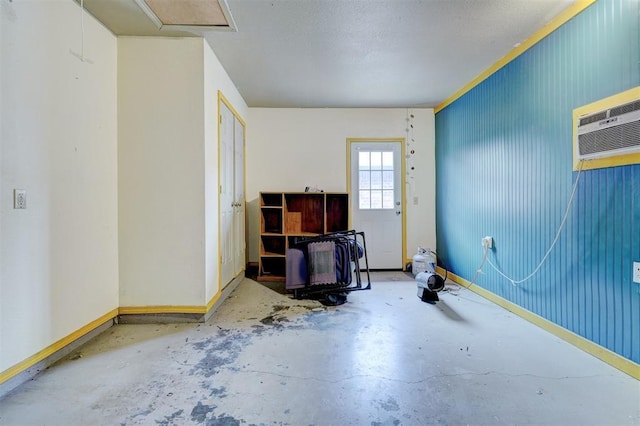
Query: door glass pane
(363, 161)
(365, 199)
(376, 179)
(376, 199)
(376, 160)
(387, 179)
(387, 160)
(365, 179)
(387, 199)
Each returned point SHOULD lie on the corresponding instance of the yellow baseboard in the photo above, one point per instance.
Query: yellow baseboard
(162, 309)
(170, 309)
(213, 301)
(51, 349)
(623, 364)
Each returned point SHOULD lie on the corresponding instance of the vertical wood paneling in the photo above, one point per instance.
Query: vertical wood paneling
(504, 168)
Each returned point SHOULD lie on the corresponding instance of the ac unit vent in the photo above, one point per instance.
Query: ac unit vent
(610, 132)
(593, 118)
(611, 139)
(623, 109)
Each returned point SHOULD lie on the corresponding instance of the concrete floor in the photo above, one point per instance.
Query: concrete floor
(384, 358)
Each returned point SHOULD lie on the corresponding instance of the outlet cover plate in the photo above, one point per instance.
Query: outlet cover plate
(636, 272)
(487, 242)
(19, 199)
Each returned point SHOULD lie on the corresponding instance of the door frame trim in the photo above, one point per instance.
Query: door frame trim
(403, 183)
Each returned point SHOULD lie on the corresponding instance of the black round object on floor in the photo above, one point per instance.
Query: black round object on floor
(435, 282)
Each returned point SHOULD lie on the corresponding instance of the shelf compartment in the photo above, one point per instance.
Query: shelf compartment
(310, 208)
(268, 199)
(337, 209)
(272, 245)
(273, 267)
(271, 222)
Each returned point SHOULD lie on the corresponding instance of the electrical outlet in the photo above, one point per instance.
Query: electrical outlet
(19, 199)
(636, 272)
(487, 242)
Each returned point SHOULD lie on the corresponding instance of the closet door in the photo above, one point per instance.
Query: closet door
(227, 207)
(239, 206)
(232, 206)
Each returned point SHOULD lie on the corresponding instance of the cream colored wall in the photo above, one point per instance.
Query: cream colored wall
(168, 166)
(58, 258)
(215, 79)
(161, 171)
(289, 149)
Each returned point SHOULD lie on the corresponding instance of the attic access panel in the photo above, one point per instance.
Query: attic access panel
(172, 14)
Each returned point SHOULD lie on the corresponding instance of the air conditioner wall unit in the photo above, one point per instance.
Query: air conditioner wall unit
(609, 129)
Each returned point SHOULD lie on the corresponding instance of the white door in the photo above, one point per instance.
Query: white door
(377, 206)
(227, 194)
(239, 260)
(232, 206)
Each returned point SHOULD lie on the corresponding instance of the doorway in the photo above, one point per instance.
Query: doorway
(376, 185)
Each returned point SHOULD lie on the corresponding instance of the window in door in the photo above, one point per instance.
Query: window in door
(376, 180)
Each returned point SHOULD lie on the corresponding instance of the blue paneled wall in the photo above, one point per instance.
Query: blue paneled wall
(504, 169)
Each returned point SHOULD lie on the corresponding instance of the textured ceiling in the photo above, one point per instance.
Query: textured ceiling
(355, 53)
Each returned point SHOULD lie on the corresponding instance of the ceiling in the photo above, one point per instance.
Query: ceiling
(353, 53)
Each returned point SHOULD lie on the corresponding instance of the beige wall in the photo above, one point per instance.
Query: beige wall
(288, 149)
(58, 258)
(161, 171)
(168, 170)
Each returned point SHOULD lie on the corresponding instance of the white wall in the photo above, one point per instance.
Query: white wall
(168, 169)
(58, 258)
(161, 171)
(288, 149)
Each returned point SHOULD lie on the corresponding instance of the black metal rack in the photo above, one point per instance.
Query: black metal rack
(350, 248)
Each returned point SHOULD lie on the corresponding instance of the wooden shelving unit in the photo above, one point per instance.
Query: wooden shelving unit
(285, 216)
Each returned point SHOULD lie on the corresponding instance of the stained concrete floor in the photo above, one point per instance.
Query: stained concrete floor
(383, 358)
